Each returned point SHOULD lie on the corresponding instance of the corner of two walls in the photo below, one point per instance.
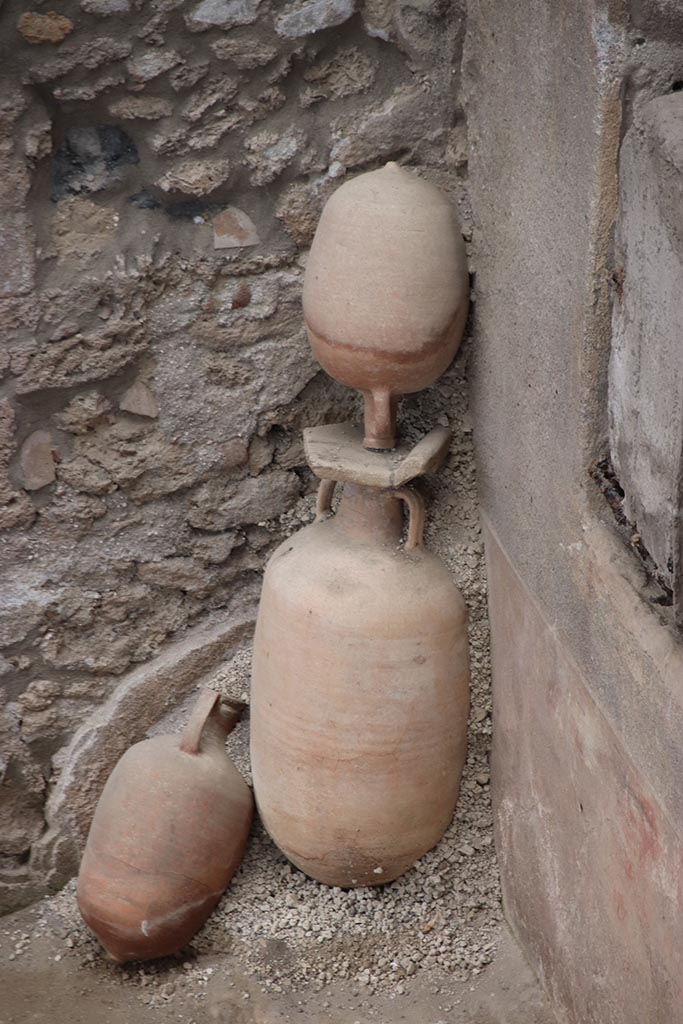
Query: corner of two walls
(163, 169)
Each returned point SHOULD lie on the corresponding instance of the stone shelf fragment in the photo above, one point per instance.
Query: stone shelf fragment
(335, 452)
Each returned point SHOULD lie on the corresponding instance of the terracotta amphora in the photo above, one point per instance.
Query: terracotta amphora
(386, 290)
(168, 834)
(360, 692)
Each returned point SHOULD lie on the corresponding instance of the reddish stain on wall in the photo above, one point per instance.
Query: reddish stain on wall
(619, 904)
(641, 831)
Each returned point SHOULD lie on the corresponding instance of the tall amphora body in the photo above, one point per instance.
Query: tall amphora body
(360, 693)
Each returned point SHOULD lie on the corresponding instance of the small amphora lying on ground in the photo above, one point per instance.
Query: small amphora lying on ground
(167, 836)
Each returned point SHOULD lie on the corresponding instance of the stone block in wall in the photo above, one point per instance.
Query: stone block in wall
(16, 509)
(144, 67)
(139, 400)
(217, 507)
(91, 54)
(225, 14)
(17, 264)
(646, 366)
(44, 28)
(106, 8)
(220, 90)
(345, 73)
(244, 53)
(83, 412)
(301, 204)
(268, 153)
(81, 358)
(309, 16)
(22, 788)
(395, 123)
(37, 460)
(658, 19)
(196, 177)
(146, 108)
(233, 229)
(143, 462)
(17, 241)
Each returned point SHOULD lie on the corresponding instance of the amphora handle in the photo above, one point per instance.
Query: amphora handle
(208, 704)
(416, 516)
(323, 501)
(413, 501)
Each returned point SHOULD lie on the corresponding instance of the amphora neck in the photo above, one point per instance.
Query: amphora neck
(371, 514)
(221, 722)
(212, 719)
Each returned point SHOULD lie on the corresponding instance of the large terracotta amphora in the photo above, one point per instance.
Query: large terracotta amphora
(386, 290)
(360, 692)
(168, 834)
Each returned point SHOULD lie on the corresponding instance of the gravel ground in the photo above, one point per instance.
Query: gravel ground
(50, 982)
(442, 919)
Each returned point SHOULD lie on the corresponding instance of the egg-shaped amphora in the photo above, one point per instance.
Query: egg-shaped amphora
(360, 694)
(167, 836)
(386, 290)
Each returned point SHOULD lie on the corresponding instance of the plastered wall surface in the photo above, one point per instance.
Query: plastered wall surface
(644, 378)
(588, 715)
(163, 167)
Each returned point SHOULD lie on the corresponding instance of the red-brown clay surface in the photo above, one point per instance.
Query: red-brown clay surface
(386, 290)
(168, 834)
(360, 692)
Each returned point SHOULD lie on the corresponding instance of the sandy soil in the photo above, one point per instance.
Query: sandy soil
(48, 982)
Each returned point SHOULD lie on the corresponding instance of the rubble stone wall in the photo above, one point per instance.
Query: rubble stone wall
(163, 167)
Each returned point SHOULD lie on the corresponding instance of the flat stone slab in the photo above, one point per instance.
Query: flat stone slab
(335, 452)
